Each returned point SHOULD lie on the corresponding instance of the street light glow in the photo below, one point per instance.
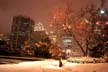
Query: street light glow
(102, 11)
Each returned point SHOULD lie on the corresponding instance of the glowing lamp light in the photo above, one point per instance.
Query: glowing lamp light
(102, 11)
(64, 28)
(106, 23)
(69, 27)
(51, 32)
(97, 23)
(50, 25)
(46, 33)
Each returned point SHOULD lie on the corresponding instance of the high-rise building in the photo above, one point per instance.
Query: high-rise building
(21, 31)
(39, 32)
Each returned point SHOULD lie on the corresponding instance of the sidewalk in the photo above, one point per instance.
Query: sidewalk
(22, 58)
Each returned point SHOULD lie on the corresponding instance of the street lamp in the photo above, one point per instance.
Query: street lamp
(102, 11)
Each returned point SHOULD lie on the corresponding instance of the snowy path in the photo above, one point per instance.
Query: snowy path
(52, 66)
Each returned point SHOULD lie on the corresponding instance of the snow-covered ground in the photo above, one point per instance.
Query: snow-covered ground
(50, 65)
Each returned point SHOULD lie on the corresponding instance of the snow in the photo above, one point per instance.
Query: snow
(53, 66)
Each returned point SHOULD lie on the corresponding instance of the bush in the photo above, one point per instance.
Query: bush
(99, 51)
(56, 52)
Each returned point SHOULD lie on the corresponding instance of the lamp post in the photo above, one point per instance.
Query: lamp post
(103, 17)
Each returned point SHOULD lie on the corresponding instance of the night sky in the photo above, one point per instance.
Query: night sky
(38, 10)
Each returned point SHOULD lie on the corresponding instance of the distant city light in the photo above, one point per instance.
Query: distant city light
(39, 27)
(67, 41)
(69, 27)
(50, 25)
(46, 33)
(97, 23)
(64, 28)
(51, 32)
(106, 23)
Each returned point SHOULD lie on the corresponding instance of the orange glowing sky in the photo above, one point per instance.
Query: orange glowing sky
(38, 10)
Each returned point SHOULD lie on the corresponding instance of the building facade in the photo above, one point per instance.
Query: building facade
(22, 28)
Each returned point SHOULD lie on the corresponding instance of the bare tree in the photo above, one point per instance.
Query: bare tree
(82, 28)
(66, 20)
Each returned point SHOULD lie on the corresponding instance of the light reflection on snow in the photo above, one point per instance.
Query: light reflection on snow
(29, 63)
(51, 67)
(70, 64)
(43, 64)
